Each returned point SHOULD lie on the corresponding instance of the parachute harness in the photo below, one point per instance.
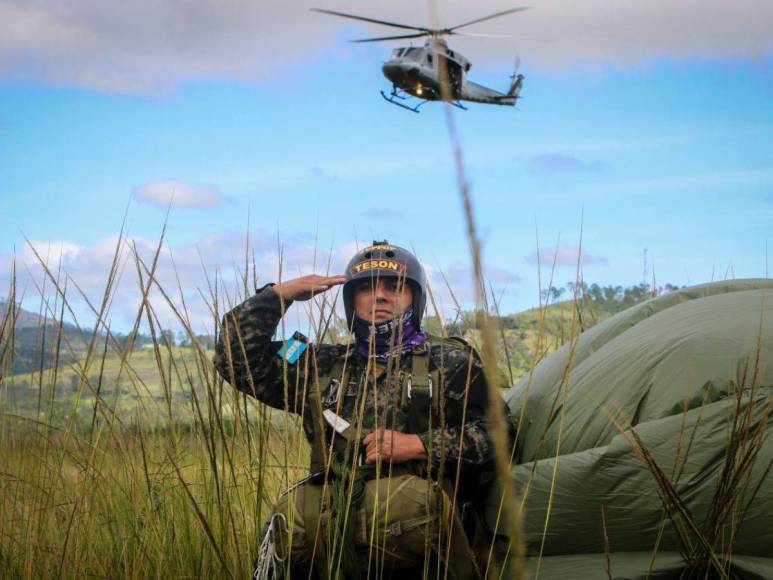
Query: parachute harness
(269, 564)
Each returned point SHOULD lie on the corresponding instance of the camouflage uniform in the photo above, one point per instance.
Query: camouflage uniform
(256, 369)
(372, 397)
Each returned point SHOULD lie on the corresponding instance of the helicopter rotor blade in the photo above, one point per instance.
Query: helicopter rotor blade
(383, 38)
(372, 20)
(489, 17)
(481, 35)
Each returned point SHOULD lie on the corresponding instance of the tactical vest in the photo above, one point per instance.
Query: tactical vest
(420, 389)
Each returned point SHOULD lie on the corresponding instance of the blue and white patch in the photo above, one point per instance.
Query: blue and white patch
(292, 350)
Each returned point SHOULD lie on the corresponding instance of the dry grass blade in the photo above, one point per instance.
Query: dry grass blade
(691, 536)
(202, 518)
(607, 549)
(562, 394)
(498, 430)
(745, 441)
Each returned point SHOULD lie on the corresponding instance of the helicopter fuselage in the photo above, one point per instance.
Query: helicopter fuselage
(417, 71)
(434, 72)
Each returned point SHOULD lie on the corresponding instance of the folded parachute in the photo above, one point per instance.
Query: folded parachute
(644, 448)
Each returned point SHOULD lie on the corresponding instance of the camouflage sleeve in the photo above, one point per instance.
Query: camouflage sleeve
(248, 359)
(464, 435)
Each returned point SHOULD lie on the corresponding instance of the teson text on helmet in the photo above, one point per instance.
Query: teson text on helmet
(380, 264)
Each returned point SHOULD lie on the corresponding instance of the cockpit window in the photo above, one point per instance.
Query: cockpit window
(413, 53)
(397, 53)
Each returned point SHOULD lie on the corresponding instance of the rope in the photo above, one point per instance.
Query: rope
(269, 564)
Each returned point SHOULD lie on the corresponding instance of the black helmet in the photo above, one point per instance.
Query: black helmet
(382, 260)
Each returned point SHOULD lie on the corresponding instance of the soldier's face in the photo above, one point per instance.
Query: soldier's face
(381, 300)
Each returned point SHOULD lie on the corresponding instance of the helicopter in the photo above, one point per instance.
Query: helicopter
(434, 72)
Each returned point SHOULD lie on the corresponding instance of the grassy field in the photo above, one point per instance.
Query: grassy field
(186, 501)
(143, 463)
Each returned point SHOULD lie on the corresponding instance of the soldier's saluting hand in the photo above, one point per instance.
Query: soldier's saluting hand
(305, 287)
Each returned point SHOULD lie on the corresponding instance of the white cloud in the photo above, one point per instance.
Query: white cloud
(53, 253)
(187, 272)
(162, 194)
(565, 256)
(150, 47)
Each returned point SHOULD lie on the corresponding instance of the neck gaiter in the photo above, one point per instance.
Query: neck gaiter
(388, 338)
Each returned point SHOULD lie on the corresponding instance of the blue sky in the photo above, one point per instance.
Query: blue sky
(664, 148)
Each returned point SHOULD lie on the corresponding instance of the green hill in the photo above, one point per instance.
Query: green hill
(31, 341)
(136, 387)
(526, 338)
(167, 383)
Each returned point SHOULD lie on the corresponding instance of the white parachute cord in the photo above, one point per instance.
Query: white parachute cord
(269, 565)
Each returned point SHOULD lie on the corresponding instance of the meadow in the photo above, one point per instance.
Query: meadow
(141, 462)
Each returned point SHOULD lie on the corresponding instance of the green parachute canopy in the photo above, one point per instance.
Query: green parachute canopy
(644, 448)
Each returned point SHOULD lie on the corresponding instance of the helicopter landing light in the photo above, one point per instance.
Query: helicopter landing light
(418, 89)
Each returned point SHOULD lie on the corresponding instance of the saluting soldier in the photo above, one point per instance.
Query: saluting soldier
(395, 419)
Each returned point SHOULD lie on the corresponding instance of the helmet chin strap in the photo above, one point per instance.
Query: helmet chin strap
(391, 337)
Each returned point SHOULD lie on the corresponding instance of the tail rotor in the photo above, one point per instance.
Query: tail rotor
(516, 80)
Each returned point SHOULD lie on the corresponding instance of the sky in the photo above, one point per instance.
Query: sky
(642, 146)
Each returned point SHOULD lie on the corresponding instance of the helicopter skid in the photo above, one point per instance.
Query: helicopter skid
(403, 97)
(394, 95)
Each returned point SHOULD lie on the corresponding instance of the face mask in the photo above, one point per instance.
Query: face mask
(389, 338)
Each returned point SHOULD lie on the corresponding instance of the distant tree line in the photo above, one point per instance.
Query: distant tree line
(163, 338)
(599, 302)
(607, 299)
(36, 348)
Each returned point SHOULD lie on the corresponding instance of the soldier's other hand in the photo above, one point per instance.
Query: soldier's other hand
(393, 446)
(305, 287)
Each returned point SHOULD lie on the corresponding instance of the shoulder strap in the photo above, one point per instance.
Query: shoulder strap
(420, 389)
(326, 382)
(454, 342)
(422, 384)
(500, 377)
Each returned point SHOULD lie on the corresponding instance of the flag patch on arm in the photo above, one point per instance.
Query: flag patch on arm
(293, 348)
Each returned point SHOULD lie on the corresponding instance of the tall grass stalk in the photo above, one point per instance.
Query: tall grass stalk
(498, 429)
(174, 483)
